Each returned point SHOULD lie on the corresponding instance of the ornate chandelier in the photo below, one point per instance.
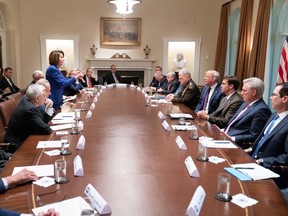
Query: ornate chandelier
(124, 6)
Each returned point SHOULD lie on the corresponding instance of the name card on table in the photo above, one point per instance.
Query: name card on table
(180, 143)
(97, 200)
(196, 203)
(95, 99)
(192, 169)
(89, 114)
(161, 115)
(92, 106)
(78, 166)
(80, 126)
(81, 142)
(166, 126)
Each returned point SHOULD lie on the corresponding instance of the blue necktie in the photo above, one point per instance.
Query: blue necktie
(178, 90)
(265, 136)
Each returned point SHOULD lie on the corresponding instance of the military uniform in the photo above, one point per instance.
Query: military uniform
(188, 95)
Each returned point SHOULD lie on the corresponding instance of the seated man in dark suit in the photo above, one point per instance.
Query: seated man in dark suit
(113, 76)
(187, 93)
(154, 82)
(27, 119)
(73, 88)
(228, 105)
(161, 81)
(172, 84)
(271, 147)
(6, 83)
(211, 94)
(88, 79)
(247, 123)
(37, 75)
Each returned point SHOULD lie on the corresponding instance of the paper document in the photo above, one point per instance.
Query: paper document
(63, 121)
(61, 127)
(40, 170)
(177, 115)
(61, 116)
(220, 144)
(182, 127)
(69, 98)
(255, 171)
(49, 144)
(68, 207)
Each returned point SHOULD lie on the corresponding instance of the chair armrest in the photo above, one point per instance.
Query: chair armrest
(282, 168)
(9, 147)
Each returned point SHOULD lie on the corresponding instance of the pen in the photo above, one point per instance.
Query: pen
(244, 168)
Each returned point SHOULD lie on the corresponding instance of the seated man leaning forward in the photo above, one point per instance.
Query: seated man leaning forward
(187, 93)
(27, 119)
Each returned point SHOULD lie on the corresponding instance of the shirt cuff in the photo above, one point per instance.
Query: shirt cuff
(5, 183)
(49, 111)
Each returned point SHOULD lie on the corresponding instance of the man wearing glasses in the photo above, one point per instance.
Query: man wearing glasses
(271, 147)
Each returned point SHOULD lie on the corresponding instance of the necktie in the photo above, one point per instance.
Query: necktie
(11, 84)
(115, 78)
(238, 116)
(263, 139)
(178, 90)
(206, 99)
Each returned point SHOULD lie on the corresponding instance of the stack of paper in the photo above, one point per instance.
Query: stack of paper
(250, 171)
(220, 144)
(177, 115)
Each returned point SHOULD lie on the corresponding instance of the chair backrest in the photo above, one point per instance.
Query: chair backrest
(6, 109)
(16, 96)
(2, 131)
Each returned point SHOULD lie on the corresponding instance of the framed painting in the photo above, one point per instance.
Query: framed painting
(120, 31)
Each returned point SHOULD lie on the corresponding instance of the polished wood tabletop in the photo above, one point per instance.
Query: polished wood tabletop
(137, 166)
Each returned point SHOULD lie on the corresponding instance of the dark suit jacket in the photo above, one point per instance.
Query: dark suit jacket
(26, 120)
(248, 127)
(226, 110)
(4, 84)
(188, 95)
(72, 89)
(2, 187)
(162, 83)
(93, 81)
(154, 82)
(274, 150)
(214, 99)
(171, 86)
(110, 79)
(5, 212)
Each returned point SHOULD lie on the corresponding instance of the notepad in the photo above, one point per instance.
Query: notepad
(251, 170)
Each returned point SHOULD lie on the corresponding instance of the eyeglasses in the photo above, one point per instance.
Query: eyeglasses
(274, 94)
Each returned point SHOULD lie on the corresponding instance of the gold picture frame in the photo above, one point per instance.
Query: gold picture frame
(120, 31)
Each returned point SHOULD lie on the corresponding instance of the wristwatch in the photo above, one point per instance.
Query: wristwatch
(261, 160)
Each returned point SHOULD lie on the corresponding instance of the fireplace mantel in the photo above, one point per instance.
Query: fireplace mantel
(145, 65)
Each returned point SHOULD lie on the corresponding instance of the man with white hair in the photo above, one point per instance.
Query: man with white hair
(249, 120)
(211, 94)
(27, 119)
(187, 93)
(36, 75)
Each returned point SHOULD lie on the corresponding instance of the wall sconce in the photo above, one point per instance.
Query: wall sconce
(124, 6)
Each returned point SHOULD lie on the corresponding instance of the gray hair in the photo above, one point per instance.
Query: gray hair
(37, 73)
(185, 72)
(33, 91)
(43, 82)
(171, 74)
(215, 74)
(255, 83)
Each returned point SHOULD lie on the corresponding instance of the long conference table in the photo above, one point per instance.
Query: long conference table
(137, 166)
